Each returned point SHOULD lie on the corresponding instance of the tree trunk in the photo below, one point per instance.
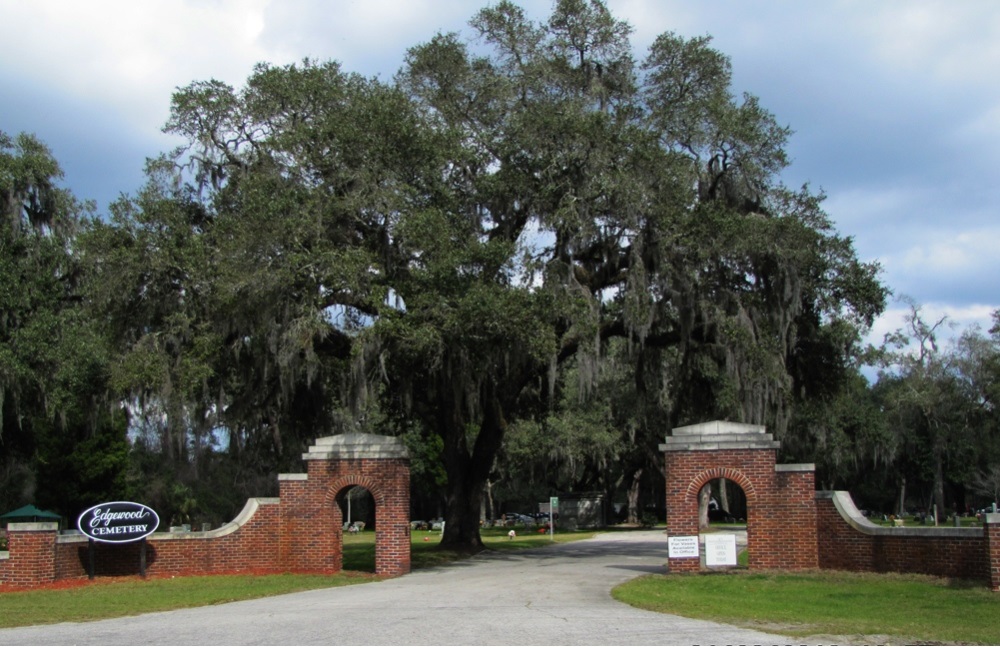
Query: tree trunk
(467, 472)
(461, 528)
(633, 497)
(724, 496)
(902, 497)
(489, 509)
(939, 483)
(703, 497)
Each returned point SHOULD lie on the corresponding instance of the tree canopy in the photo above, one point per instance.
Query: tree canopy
(531, 254)
(328, 251)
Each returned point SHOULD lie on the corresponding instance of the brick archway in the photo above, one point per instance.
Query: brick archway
(312, 528)
(734, 475)
(352, 480)
(781, 506)
(388, 556)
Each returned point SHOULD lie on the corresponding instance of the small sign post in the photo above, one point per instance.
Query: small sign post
(553, 506)
(90, 558)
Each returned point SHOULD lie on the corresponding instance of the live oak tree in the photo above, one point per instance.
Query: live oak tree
(598, 197)
(428, 255)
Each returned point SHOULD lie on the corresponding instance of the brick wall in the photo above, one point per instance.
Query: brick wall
(794, 503)
(388, 480)
(847, 541)
(244, 545)
(300, 531)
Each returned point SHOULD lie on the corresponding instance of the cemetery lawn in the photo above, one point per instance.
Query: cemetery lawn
(832, 606)
(116, 597)
(82, 601)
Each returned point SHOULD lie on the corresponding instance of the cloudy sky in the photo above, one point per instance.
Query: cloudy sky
(895, 105)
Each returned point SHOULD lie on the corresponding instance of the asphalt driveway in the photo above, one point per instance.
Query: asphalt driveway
(554, 596)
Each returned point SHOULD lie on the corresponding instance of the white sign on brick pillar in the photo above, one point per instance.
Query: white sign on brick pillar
(720, 550)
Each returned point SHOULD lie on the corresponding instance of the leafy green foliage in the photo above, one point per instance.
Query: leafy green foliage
(450, 257)
(63, 443)
(539, 239)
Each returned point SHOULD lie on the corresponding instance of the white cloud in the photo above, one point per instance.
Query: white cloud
(128, 55)
(984, 125)
(949, 252)
(955, 43)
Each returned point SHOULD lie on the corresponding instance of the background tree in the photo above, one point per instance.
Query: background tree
(63, 440)
(928, 405)
(235, 297)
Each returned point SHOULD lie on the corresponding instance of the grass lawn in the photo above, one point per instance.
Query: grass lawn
(115, 597)
(895, 608)
(112, 598)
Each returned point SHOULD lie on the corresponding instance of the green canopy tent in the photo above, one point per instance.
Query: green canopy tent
(29, 513)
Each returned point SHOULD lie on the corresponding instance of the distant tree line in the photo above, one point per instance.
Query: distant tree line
(530, 258)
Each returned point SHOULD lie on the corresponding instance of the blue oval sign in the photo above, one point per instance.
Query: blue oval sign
(118, 522)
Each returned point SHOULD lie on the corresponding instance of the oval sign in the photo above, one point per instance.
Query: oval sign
(118, 522)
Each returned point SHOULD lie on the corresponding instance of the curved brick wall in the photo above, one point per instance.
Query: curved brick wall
(298, 532)
(849, 542)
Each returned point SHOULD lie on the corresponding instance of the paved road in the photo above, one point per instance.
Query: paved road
(554, 596)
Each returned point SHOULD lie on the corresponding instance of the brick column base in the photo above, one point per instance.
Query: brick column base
(32, 548)
(992, 532)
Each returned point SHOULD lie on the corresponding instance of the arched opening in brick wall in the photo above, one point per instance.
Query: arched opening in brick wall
(358, 507)
(740, 490)
(363, 500)
(726, 501)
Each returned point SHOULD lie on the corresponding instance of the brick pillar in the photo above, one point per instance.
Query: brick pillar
(32, 548)
(392, 523)
(682, 509)
(794, 543)
(992, 531)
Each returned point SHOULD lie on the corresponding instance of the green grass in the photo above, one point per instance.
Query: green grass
(906, 608)
(125, 597)
(111, 598)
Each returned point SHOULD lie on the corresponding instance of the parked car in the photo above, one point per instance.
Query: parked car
(721, 515)
(513, 518)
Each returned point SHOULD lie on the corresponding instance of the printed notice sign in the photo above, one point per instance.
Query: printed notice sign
(720, 550)
(680, 547)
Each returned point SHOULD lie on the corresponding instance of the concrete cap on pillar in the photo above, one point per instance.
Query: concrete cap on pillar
(356, 446)
(718, 434)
